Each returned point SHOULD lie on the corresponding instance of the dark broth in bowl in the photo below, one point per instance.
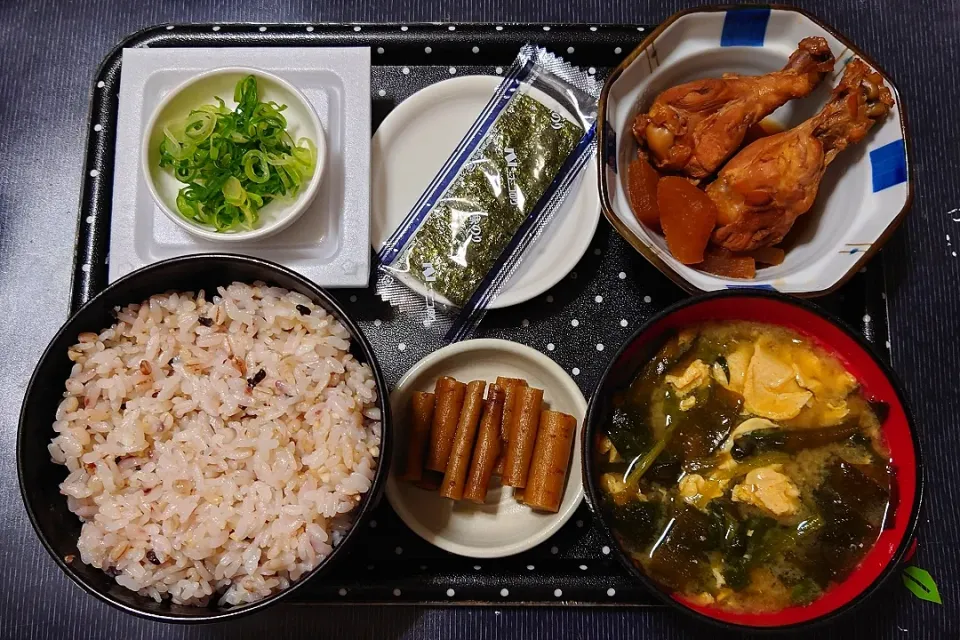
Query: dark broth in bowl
(743, 468)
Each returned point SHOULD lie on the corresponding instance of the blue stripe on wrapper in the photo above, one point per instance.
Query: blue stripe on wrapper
(888, 164)
(744, 28)
(397, 242)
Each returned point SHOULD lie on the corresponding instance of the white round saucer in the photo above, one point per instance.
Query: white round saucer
(412, 144)
(501, 526)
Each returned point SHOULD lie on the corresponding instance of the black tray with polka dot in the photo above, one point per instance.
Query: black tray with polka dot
(579, 323)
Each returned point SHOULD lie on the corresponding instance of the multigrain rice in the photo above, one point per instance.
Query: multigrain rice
(216, 448)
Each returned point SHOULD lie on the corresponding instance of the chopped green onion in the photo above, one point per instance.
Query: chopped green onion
(305, 152)
(199, 126)
(234, 161)
(255, 156)
(233, 192)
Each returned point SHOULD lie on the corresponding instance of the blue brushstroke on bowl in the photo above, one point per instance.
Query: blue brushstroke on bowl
(766, 287)
(745, 28)
(888, 165)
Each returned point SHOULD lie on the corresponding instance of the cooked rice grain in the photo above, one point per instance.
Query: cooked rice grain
(195, 475)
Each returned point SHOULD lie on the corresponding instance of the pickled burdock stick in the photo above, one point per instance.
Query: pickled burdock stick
(458, 463)
(487, 450)
(445, 417)
(551, 458)
(430, 481)
(421, 409)
(523, 435)
(510, 388)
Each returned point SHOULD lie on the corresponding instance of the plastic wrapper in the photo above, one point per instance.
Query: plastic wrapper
(476, 221)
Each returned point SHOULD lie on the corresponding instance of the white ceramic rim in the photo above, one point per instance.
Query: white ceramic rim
(567, 509)
(704, 282)
(294, 211)
(588, 180)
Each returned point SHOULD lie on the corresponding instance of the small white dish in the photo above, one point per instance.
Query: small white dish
(412, 144)
(330, 242)
(501, 526)
(302, 122)
(864, 193)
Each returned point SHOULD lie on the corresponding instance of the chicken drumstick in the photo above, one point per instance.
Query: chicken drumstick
(764, 188)
(693, 127)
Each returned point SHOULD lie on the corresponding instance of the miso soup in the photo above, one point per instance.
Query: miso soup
(744, 468)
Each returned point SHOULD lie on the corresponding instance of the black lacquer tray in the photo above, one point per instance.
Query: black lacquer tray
(610, 293)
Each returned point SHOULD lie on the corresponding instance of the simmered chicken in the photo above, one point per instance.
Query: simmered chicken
(764, 188)
(694, 127)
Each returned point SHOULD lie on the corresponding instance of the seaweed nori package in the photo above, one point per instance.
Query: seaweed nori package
(471, 228)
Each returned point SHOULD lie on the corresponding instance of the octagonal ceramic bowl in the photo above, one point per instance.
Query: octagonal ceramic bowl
(863, 196)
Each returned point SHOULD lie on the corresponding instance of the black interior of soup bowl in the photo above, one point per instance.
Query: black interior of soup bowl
(877, 381)
(40, 477)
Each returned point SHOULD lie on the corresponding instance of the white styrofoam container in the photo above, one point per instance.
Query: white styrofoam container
(865, 191)
(330, 242)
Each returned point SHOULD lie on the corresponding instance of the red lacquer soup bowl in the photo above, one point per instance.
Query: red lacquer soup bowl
(878, 383)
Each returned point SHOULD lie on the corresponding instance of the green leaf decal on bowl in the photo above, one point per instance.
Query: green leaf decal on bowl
(921, 584)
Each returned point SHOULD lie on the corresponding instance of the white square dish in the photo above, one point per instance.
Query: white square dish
(862, 197)
(330, 243)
